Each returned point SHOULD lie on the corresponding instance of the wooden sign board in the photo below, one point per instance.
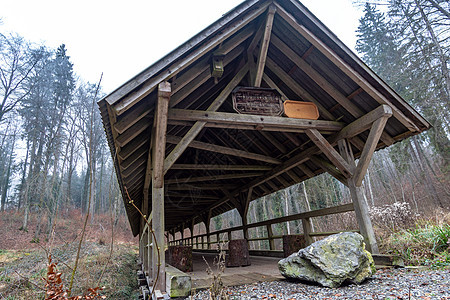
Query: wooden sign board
(257, 101)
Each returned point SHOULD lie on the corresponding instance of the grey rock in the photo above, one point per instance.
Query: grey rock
(330, 262)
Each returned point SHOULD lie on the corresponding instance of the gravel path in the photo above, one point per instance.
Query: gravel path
(385, 284)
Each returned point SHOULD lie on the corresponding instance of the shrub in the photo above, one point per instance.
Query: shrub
(426, 244)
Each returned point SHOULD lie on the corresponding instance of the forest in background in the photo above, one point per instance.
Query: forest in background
(53, 147)
(52, 143)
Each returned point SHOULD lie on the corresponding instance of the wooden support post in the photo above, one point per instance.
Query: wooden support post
(158, 155)
(270, 235)
(141, 248)
(149, 250)
(158, 259)
(191, 229)
(244, 214)
(362, 215)
(145, 262)
(229, 236)
(182, 234)
(307, 229)
(359, 204)
(208, 231)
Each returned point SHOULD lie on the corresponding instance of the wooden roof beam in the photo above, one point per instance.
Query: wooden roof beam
(261, 63)
(225, 150)
(133, 132)
(316, 77)
(201, 78)
(212, 178)
(134, 157)
(297, 89)
(330, 152)
(205, 187)
(221, 167)
(347, 69)
(363, 123)
(133, 167)
(127, 150)
(247, 127)
(306, 170)
(182, 195)
(369, 149)
(273, 141)
(199, 125)
(259, 122)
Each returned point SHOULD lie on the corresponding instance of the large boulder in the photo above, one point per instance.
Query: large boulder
(330, 262)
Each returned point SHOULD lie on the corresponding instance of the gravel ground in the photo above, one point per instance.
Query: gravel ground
(385, 284)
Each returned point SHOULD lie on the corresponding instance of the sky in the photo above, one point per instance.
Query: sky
(121, 38)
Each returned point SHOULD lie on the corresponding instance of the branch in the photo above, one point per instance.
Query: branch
(439, 8)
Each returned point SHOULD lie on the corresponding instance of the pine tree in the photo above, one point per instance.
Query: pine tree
(379, 47)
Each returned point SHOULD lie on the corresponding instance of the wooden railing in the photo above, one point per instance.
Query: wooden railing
(203, 241)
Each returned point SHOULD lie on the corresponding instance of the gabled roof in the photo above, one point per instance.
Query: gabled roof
(305, 61)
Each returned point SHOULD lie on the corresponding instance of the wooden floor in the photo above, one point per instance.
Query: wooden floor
(261, 269)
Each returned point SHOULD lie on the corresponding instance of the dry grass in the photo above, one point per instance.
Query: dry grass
(23, 265)
(21, 276)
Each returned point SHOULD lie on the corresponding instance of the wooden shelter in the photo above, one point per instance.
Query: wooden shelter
(183, 154)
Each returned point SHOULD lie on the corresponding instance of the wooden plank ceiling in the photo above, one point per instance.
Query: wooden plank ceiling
(235, 158)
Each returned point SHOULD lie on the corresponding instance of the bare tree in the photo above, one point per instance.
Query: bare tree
(17, 60)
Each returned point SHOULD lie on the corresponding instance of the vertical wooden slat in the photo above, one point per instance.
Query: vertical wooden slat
(158, 154)
(307, 229)
(270, 236)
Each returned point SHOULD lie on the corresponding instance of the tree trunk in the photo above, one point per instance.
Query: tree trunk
(8, 174)
(22, 181)
(426, 175)
(441, 54)
(28, 184)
